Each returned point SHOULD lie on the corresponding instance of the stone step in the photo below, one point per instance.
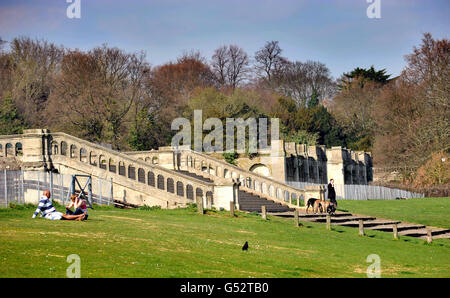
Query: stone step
(305, 216)
(423, 232)
(438, 236)
(368, 223)
(400, 227)
(343, 219)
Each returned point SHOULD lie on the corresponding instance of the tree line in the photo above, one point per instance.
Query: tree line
(107, 95)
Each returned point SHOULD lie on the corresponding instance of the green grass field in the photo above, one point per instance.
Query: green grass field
(182, 243)
(426, 211)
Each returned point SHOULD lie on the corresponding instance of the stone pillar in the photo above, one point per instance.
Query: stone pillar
(335, 165)
(278, 162)
(36, 149)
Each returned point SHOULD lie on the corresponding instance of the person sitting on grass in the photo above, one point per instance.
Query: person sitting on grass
(79, 205)
(47, 210)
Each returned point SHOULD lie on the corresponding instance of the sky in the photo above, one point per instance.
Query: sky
(338, 33)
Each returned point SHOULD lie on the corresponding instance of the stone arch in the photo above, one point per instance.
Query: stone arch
(9, 150)
(263, 188)
(131, 172)
(294, 198)
(73, 151)
(151, 178)
(19, 149)
(279, 194)
(63, 148)
(1, 151)
(83, 155)
(112, 166)
(189, 192)
(271, 190)
(248, 182)
(286, 196)
(55, 148)
(170, 185)
(102, 162)
(204, 166)
(218, 171)
(199, 192)
(257, 186)
(211, 170)
(122, 168)
(141, 175)
(260, 169)
(160, 182)
(210, 197)
(93, 158)
(180, 189)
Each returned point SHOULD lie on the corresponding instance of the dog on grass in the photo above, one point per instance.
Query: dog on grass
(328, 207)
(314, 204)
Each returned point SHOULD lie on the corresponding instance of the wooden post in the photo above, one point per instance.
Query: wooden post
(263, 212)
(328, 222)
(296, 221)
(361, 227)
(395, 231)
(232, 209)
(429, 236)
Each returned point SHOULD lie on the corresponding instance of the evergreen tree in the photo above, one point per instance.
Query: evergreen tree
(11, 121)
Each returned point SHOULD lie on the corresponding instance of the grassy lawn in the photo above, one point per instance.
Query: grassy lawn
(181, 243)
(426, 211)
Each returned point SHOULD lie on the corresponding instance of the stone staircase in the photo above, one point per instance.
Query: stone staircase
(250, 202)
(247, 201)
(370, 223)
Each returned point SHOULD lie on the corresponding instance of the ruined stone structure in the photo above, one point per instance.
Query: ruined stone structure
(165, 177)
(287, 162)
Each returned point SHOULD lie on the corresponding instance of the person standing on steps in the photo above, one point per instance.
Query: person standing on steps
(332, 193)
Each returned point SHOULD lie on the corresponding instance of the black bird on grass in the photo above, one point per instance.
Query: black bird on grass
(245, 247)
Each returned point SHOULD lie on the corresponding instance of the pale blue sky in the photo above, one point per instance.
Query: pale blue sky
(335, 32)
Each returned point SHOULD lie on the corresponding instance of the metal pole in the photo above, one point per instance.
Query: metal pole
(22, 186)
(61, 184)
(111, 192)
(6, 189)
(100, 190)
(51, 183)
(90, 190)
(39, 185)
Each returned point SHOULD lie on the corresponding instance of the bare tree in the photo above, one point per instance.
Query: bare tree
(413, 111)
(303, 80)
(230, 65)
(219, 64)
(269, 60)
(35, 63)
(95, 91)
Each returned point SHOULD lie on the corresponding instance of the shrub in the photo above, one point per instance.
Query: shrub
(150, 208)
(436, 171)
